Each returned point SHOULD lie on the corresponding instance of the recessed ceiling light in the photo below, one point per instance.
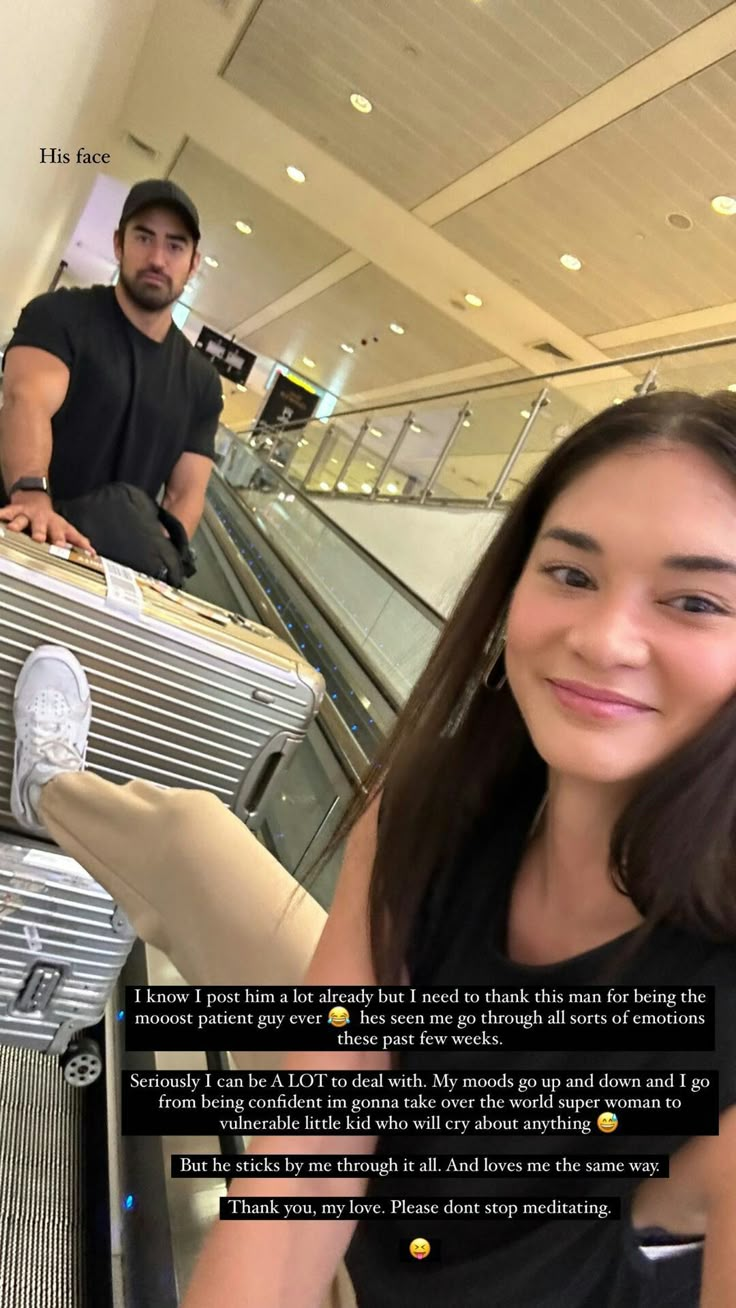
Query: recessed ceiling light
(349, 349)
(525, 413)
(245, 228)
(361, 103)
(467, 422)
(241, 387)
(333, 460)
(415, 427)
(397, 328)
(571, 262)
(618, 400)
(366, 488)
(296, 174)
(725, 204)
(308, 363)
(211, 263)
(375, 432)
(392, 490)
(732, 387)
(342, 485)
(323, 485)
(372, 466)
(473, 300)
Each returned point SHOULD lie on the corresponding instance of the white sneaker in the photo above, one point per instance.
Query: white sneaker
(52, 708)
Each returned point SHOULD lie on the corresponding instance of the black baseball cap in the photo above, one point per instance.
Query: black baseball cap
(159, 191)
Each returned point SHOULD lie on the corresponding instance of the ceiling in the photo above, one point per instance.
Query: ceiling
(504, 133)
(511, 67)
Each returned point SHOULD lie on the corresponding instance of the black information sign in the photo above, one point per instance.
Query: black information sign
(231, 360)
(287, 405)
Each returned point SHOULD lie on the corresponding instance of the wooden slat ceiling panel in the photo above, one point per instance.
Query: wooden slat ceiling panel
(284, 250)
(452, 81)
(361, 307)
(606, 200)
(691, 337)
(427, 390)
(705, 370)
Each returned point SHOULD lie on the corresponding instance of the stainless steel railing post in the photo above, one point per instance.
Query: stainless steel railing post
(354, 449)
(439, 465)
(324, 445)
(541, 400)
(406, 424)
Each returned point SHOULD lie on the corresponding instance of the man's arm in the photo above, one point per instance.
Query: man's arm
(186, 489)
(35, 388)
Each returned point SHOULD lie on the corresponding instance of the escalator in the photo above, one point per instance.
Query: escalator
(93, 1220)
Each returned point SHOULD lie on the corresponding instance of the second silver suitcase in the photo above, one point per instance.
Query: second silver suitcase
(63, 944)
(183, 693)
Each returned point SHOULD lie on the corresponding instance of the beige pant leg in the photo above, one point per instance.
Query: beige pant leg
(192, 878)
(196, 884)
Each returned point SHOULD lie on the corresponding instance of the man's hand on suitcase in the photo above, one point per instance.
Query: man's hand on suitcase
(32, 511)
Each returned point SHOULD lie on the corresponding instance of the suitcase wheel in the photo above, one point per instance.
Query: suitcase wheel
(81, 1064)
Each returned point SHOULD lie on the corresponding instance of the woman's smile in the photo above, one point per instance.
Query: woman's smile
(593, 702)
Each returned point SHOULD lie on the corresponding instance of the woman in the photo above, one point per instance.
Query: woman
(557, 806)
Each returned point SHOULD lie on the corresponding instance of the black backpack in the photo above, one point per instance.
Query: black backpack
(124, 524)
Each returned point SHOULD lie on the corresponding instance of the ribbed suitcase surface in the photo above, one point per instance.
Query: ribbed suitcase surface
(63, 944)
(183, 694)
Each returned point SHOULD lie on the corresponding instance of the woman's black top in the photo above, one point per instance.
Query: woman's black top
(538, 1262)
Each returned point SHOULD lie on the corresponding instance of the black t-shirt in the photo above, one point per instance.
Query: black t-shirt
(534, 1263)
(133, 405)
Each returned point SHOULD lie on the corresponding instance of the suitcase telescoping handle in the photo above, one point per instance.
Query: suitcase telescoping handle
(255, 785)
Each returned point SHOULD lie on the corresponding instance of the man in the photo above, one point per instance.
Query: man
(101, 386)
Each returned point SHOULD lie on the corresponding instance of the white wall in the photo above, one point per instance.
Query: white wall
(431, 549)
(65, 70)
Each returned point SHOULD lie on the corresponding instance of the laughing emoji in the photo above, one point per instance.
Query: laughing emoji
(338, 1017)
(607, 1122)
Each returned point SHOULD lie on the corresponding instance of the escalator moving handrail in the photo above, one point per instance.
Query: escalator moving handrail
(431, 614)
(331, 619)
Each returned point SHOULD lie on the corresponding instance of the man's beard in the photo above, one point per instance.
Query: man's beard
(149, 295)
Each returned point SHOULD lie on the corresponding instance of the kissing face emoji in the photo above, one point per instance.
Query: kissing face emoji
(419, 1248)
(607, 1122)
(338, 1017)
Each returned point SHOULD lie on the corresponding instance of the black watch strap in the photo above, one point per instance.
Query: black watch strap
(30, 484)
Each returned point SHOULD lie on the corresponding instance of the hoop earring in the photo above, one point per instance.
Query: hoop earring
(487, 679)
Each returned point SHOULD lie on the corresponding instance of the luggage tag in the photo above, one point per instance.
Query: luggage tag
(163, 588)
(123, 591)
(200, 608)
(33, 939)
(12, 895)
(82, 557)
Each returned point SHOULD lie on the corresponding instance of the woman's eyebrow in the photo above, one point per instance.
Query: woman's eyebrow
(580, 540)
(699, 563)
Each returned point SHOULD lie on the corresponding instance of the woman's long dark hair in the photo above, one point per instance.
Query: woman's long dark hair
(460, 752)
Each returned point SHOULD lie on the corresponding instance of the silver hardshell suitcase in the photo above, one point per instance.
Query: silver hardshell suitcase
(183, 693)
(63, 944)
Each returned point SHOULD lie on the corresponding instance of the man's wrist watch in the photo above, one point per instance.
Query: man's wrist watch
(29, 484)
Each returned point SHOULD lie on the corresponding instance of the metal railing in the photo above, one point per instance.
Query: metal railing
(462, 447)
(389, 630)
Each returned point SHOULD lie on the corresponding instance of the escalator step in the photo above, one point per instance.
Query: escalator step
(42, 1248)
